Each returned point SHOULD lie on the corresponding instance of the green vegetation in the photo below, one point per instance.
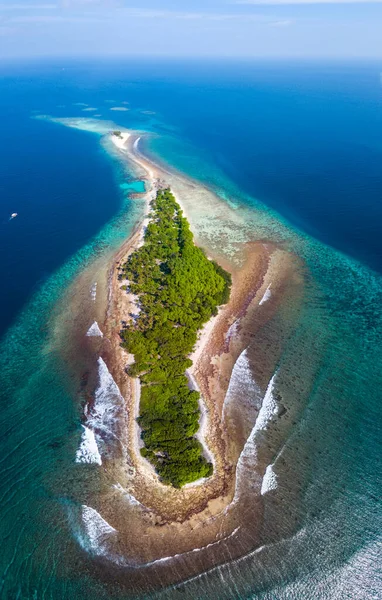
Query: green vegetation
(179, 289)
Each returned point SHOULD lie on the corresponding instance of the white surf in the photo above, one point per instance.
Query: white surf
(244, 396)
(246, 474)
(94, 330)
(269, 482)
(267, 295)
(88, 451)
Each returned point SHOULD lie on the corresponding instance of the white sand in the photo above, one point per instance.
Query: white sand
(203, 338)
(120, 141)
(142, 163)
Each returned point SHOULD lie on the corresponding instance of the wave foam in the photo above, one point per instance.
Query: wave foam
(107, 402)
(268, 409)
(96, 535)
(94, 330)
(269, 482)
(267, 295)
(246, 465)
(104, 417)
(194, 550)
(129, 497)
(93, 291)
(88, 451)
(243, 392)
(232, 331)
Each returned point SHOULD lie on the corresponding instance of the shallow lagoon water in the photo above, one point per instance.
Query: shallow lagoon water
(321, 533)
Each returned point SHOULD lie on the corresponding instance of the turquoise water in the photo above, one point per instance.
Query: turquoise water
(134, 186)
(321, 532)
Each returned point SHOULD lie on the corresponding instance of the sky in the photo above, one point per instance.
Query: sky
(191, 28)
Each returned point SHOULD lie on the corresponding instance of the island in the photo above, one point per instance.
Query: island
(178, 290)
(183, 408)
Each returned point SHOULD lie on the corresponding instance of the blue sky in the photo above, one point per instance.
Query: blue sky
(224, 28)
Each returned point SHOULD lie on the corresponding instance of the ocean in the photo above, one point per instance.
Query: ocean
(297, 146)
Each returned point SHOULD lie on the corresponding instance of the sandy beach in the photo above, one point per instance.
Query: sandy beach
(120, 140)
(241, 345)
(213, 358)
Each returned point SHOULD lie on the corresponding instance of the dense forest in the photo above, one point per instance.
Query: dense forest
(179, 289)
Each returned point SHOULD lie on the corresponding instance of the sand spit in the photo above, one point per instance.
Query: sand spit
(120, 140)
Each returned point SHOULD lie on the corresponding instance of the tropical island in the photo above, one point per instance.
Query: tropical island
(175, 480)
(178, 289)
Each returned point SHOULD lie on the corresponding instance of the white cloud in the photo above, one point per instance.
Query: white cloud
(88, 3)
(52, 19)
(297, 2)
(160, 14)
(143, 13)
(27, 6)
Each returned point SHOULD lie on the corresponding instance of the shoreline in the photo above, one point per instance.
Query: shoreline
(213, 359)
(131, 244)
(126, 491)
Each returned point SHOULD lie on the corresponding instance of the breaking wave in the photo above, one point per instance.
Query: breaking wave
(129, 497)
(94, 330)
(267, 295)
(93, 291)
(269, 482)
(108, 403)
(231, 333)
(243, 392)
(246, 465)
(96, 536)
(194, 550)
(104, 419)
(88, 451)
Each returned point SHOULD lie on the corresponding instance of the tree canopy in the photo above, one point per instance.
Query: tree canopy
(179, 289)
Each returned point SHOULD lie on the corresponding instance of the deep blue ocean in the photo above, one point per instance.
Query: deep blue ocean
(305, 141)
